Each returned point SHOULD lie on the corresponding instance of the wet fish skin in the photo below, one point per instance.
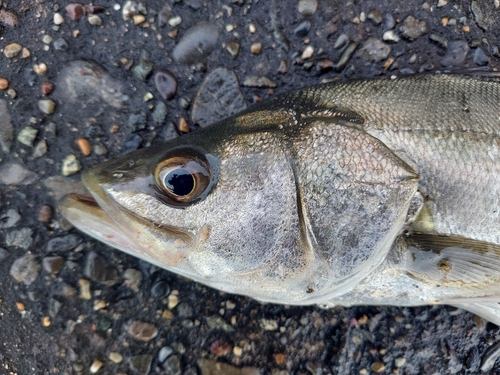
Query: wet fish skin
(365, 192)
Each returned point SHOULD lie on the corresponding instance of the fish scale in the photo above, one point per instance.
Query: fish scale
(381, 191)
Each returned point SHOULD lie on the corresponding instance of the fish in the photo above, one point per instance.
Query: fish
(382, 191)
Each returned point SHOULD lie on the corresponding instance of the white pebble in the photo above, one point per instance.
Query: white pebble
(175, 21)
(95, 366)
(308, 53)
(58, 19)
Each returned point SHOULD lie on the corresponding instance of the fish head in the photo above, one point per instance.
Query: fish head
(228, 206)
(218, 206)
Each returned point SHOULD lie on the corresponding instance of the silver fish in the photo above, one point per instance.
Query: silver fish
(382, 192)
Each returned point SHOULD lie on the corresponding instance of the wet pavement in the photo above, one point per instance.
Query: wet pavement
(84, 83)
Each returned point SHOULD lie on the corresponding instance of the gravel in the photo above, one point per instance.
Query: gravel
(66, 307)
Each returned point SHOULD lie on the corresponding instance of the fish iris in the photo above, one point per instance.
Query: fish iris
(180, 182)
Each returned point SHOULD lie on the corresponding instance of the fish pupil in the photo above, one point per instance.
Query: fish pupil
(180, 182)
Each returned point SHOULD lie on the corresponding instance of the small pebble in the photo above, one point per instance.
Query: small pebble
(95, 366)
(4, 83)
(196, 44)
(400, 362)
(95, 20)
(115, 357)
(12, 93)
(47, 39)
(25, 269)
(70, 165)
(308, 53)
(378, 367)
(26, 53)
(84, 146)
(183, 125)
(390, 36)
(138, 19)
(47, 106)
(237, 351)
(375, 16)
(142, 331)
(84, 289)
(20, 306)
(256, 48)
(27, 136)
(12, 50)
(75, 11)
(46, 88)
(147, 97)
(58, 19)
(46, 321)
(252, 28)
(142, 364)
(53, 264)
(166, 84)
(45, 213)
(175, 21)
(307, 7)
(40, 69)
(172, 301)
(233, 48)
(442, 3)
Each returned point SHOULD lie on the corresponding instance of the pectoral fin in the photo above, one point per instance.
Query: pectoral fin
(463, 267)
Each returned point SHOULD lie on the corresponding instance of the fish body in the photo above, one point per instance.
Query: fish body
(381, 191)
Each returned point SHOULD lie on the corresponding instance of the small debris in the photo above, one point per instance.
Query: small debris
(378, 367)
(375, 16)
(70, 165)
(115, 357)
(95, 366)
(144, 68)
(166, 84)
(133, 278)
(25, 269)
(53, 264)
(40, 69)
(254, 81)
(84, 289)
(4, 83)
(234, 49)
(58, 19)
(84, 146)
(46, 321)
(412, 28)
(12, 50)
(95, 20)
(27, 136)
(47, 106)
(141, 330)
(308, 53)
(75, 11)
(46, 88)
(183, 125)
(45, 214)
(141, 363)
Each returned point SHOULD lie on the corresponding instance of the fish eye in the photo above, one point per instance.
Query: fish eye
(183, 177)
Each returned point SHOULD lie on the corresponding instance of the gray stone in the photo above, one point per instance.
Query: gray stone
(441, 41)
(10, 218)
(412, 28)
(27, 135)
(60, 44)
(478, 15)
(302, 28)
(54, 307)
(160, 113)
(144, 68)
(480, 58)
(391, 36)
(346, 56)
(20, 238)
(40, 149)
(137, 121)
(4, 254)
(212, 367)
(253, 81)
(88, 82)
(98, 269)
(307, 7)
(25, 269)
(375, 50)
(172, 365)
(216, 322)
(141, 363)
(375, 16)
(341, 41)
(198, 42)
(456, 53)
(164, 353)
(133, 278)
(53, 264)
(47, 106)
(131, 144)
(218, 97)
(184, 310)
(141, 330)
(15, 174)
(6, 129)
